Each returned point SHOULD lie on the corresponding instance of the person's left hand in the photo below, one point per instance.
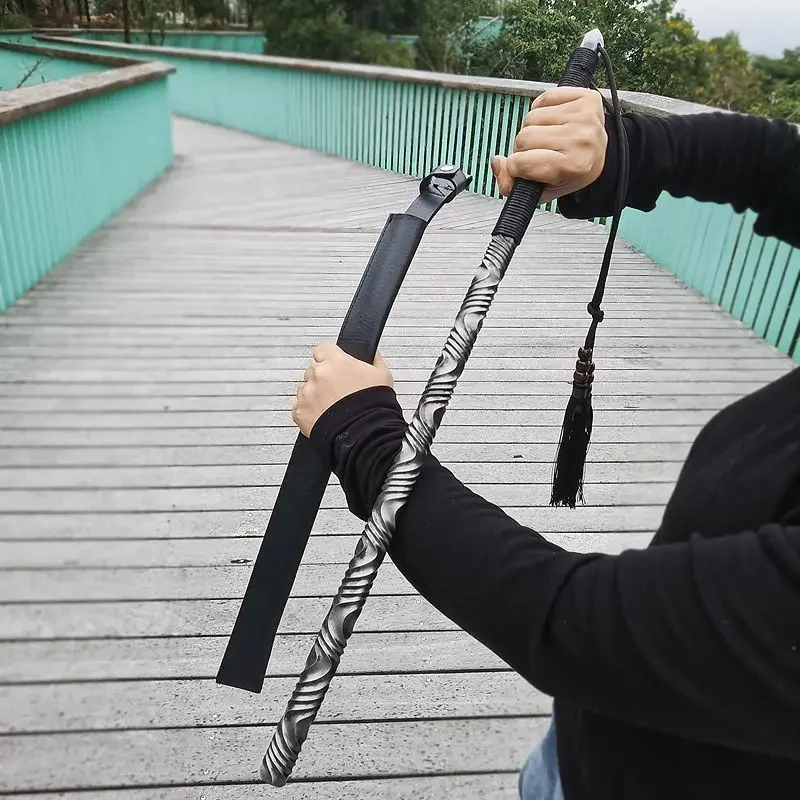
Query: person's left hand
(331, 376)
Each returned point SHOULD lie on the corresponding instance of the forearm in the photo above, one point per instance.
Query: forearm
(750, 162)
(468, 558)
(696, 639)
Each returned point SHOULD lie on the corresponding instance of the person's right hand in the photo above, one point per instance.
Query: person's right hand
(562, 144)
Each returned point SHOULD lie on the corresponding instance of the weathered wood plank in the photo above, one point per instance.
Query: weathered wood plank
(487, 434)
(155, 658)
(219, 549)
(456, 418)
(202, 618)
(253, 498)
(278, 455)
(450, 787)
(272, 475)
(530, 404)
(111, 705)
(182, 583)
(199, 756)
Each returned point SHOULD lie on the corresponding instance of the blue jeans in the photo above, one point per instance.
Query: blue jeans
(539, 779)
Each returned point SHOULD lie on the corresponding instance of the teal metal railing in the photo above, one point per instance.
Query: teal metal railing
(71, 156)
(222, 41)
(402, 120)
(409, 121)
(716, 251)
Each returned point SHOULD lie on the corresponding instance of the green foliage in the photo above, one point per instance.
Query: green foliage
(673, 58)
(448, 38)
(384, 16)
(11, 15)
(209, 13)
(654, 49)
(319, 29)
(781, 85)
(732, 82)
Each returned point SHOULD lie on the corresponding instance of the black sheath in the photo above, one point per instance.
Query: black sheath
(250, 645)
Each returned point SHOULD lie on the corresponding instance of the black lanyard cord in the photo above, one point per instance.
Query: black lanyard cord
(577, 427)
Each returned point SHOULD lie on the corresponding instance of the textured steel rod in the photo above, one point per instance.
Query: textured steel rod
(346, 607)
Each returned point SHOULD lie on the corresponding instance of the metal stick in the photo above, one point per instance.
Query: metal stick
(346, 607)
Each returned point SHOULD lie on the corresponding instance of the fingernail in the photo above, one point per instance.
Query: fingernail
(495, 163)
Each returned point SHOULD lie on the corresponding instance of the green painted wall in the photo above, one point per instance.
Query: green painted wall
(65, 172)
(17, 38)
(14, 66)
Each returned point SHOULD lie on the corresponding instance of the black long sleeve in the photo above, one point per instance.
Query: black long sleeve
(750, 162)
(698, 639)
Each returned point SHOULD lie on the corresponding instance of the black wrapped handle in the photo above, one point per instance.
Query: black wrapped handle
(525, 196)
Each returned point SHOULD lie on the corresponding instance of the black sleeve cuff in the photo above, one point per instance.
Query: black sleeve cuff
(330, 434)
(597, 199)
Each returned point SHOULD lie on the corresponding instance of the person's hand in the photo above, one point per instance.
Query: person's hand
(331, 376)
(562, 144)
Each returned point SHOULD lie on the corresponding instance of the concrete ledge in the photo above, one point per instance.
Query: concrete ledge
(18, 104)
(71, 55)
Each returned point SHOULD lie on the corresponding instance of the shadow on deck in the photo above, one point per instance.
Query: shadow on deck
(144, 426)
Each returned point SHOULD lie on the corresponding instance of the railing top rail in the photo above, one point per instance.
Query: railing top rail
(70, 55)
(167, 31)
(17, 104)
(634, 101)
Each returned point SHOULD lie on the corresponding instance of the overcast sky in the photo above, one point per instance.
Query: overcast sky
(766, 27)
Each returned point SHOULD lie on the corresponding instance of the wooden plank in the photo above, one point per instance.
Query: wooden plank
(456, 418)
(218, 549)
(273, 378)
(200, 756)
(463, 455)
(44, 661)
(254, 498)
(87, 404)
(449, 787)
(467, 389)
(272, 475)
(202, 618)
(182, 583)
(119, 705)
(194, 437)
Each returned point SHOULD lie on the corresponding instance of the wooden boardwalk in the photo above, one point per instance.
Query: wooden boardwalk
(144, 425)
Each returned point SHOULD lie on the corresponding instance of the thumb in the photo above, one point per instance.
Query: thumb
(504, 181)
(379, 362)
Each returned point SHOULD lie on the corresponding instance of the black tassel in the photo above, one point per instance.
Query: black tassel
(577, 428)
(576, 433)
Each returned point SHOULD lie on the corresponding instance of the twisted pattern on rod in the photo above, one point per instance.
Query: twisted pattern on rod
(346, 607)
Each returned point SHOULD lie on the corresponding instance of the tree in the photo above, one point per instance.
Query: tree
(538, 35)
(448, 36)
(674, 58)
(781, 84)
(384, 16)
(733, 83)
(11, 15)
(319, 29)
(126, 21)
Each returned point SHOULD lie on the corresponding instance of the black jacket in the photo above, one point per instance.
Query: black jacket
(675, 669)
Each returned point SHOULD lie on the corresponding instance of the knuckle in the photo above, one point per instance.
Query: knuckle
(522, 141)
